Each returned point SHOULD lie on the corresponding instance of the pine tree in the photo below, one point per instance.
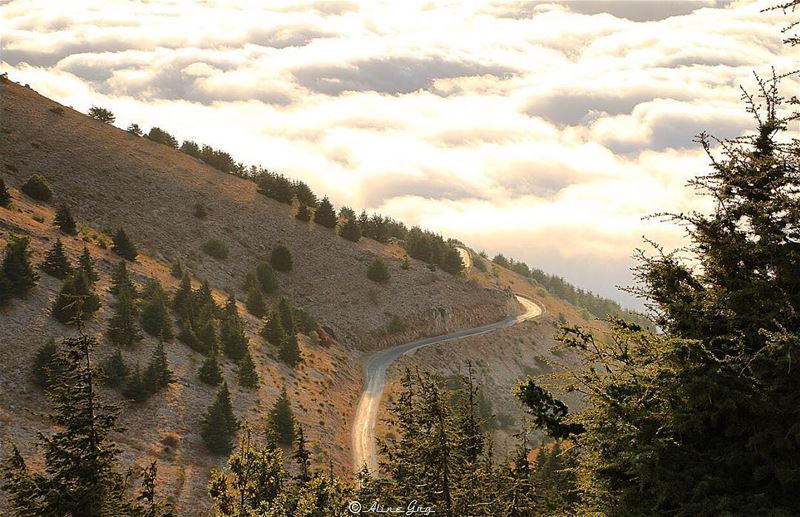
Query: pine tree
(280, 421)
(287, 317)
(80, 475)
(351, 231)
(158, 375)
(378, 272)
(17, 269)
(86, 263)
(231, 331)
(210, 372)
(303, 213)
(289, 351)
(56, 263)
(177, 270)
(48, 364)
(135, 387)
(266, 277)
(120, 279)
(123, 246)
(452, 263)
(281, 258)
(273, 330)
(114, 369)
(77, 301)
(183, 300)
(301, 455)
(256, 305)
(325, 214)
(204, 303)
(5, 197)
(220, 424)
(65, 221)
(248, 376)
(123, 327)
(155, 316)
(208, 337)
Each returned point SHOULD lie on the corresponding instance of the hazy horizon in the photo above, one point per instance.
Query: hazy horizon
(541, 130)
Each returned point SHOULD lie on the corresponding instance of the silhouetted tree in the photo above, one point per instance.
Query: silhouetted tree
(56, 263)
(220, 424)
(134, 129)
(102, 114)
(301, 455)
(87, 265)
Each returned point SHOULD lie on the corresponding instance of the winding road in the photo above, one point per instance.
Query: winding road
(364, 449)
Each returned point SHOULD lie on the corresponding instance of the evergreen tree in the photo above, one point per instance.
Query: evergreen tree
(17, 269)
(452, 261)
(256, 305)
(121, 280)
(280, 420)
(56, 263)
(325, 214)
(266, 276)
(281, 259)
(123, 328)
(86, 263)
(80, 475)
(287, 317)
(123, 246)
(273, 330)
(220, 424)
(210, 372)
(114, 369)
(177, 270)
(378, 272)
(102, 114)
(158, 375)
(208, 338)
(37, 188)
(204, 305)
(231, 331)
(301, 455)
(5, 197)
(289, 351)
(351, 231)
(65, 221)
(248, 376)
(134, 129)
(136, 387)
(155, 316)
(76, 301)
(182, 301)
(48, 364)
(303, 213)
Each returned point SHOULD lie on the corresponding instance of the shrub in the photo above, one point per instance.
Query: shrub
(123, 246)
(134, 129)
(200, 211)
(58, 110)
(5, 197)
(281, 258)
(303, 213)
(215, 248)
(157, 134)
(396, 325)
(37, 188)
(266, 277)
(114, 369)
(351, 231)
(377, 271)
(102, 114)
(65, 221)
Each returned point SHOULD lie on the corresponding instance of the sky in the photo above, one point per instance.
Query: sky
(545, 131)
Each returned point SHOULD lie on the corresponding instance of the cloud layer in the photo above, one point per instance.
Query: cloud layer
(542, 130)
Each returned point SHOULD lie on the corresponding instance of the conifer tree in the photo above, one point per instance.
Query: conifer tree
(158, 375)
(17, 269)
(452, 263)
(378, 272)
(64, 220)
(220, 424)
(56, 263)
(273, 330)
(303, 213)
(123, 328)
(177, 270)
(5, 197)
(280, 420)
(86, 263)
(351, 231)
(48, 364)
(121, 280)
(281, 258)
(256, 305)
(210, 372)
(135, 387)
(289, 351)
(325, 214)
(123, 246)
(208, 338)
(182, 301)
(248, 376)
(114, 369)
(266, 277)
(155, 316)
(287, 317)
(77, 300)
(231, 331)
(204, 304)
(301, 455)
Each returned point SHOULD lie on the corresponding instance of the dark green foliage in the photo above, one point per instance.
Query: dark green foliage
(134, 129)
(102, 114)
(114, 369)
(377, 271)
(182, 301)
(123, 327)
(304, 194)
(215, 248)
(275, 186)
(135, 387)
(76, 301)
(86, 264)
(220, 424)
(325, 214)
(210, 372)
(158, 375)
(17, 269)
(281, 258)
(64, 220)
(177, 270)
(155, 317)
(208, 337)
(256, 305)
(280, 420)
(5, 197)
(56, 263)
(80, 475)
(200, 211)
(123, 246)
(162, 137)
(37, 188)
(452, 262)
(286, 313)
(266, 275)
(231, 331)
(304, 322)
(273, 330)
(303, 213)
(121, 280)
(301, 455)
(191, 148)
(351, 231)
(48, 364)
(248, 376)
(289, 351)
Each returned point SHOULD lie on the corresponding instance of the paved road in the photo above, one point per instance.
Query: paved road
(364, 449)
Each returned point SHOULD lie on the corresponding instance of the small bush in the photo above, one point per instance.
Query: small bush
(378, 272)
(38, 188)
(396, 325)
(215, 248)
(58, 110)
(200, 211)
(281, 258)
